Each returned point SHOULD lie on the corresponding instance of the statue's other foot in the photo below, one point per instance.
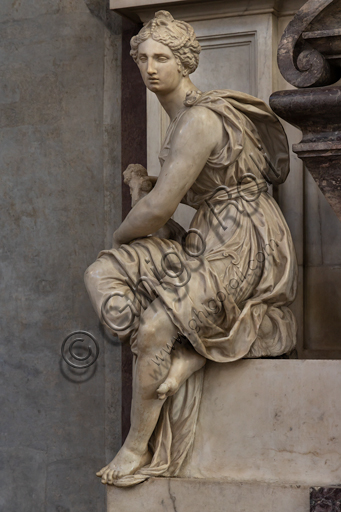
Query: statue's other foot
(188, 362)
(125, 463)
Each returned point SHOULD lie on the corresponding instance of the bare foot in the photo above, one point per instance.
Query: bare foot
(185, 362)
(125, 463)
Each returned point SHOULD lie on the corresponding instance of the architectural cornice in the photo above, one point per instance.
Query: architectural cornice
(196, 10)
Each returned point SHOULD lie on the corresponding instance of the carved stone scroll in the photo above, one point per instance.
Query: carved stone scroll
(309, 53)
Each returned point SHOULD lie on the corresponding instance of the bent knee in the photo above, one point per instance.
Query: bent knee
(97, 272)
(90, 275)
(153, 330)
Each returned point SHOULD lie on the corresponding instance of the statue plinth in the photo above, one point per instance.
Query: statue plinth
(193, 495)
(261, 441)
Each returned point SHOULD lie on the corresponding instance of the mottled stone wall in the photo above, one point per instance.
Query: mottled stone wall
(60, 201)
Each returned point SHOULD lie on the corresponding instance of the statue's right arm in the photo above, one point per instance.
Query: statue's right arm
(193, 141)
(154, 179)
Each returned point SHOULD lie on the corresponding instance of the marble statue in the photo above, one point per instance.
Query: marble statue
(219, 291)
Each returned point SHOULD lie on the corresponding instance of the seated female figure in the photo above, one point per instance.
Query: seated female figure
(226, 287)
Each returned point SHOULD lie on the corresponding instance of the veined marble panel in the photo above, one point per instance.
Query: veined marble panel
(193, 495)
(268, 428)
(273, 421)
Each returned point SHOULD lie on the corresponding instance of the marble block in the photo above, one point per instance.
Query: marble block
(194, 495)
(268, 430)
(269, 420)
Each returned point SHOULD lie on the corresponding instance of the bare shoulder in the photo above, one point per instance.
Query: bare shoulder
(203, 116)
(200, 123)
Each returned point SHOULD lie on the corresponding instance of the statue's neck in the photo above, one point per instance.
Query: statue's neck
(174, 101)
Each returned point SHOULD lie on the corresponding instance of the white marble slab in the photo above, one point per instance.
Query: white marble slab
(185, 495)
(268, 428)
(269, 420)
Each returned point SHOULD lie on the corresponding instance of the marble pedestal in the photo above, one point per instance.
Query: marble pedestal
(196, 495)
(267, 431)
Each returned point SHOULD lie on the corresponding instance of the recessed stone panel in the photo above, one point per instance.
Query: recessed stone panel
(322, 321)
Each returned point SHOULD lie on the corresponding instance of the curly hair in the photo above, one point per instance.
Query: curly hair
(179, 36)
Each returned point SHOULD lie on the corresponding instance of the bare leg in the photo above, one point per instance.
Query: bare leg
(185, 361)
(156, 330)
(156, 364)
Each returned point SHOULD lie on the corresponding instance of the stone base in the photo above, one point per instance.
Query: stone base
(196, 495)
(267, 431)
(268, 420)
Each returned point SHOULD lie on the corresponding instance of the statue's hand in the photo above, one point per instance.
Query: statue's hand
(139, 182)
(171, 231)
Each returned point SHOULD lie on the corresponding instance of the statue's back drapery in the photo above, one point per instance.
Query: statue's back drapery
(228, 286)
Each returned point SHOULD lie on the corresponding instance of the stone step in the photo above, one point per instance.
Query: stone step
(195, 495)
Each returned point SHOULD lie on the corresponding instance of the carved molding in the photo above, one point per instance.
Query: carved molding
(196, 10)
(310, 58)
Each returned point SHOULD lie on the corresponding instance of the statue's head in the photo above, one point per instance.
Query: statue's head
(178, 36)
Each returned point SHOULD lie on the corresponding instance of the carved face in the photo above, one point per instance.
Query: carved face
(160, 70)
